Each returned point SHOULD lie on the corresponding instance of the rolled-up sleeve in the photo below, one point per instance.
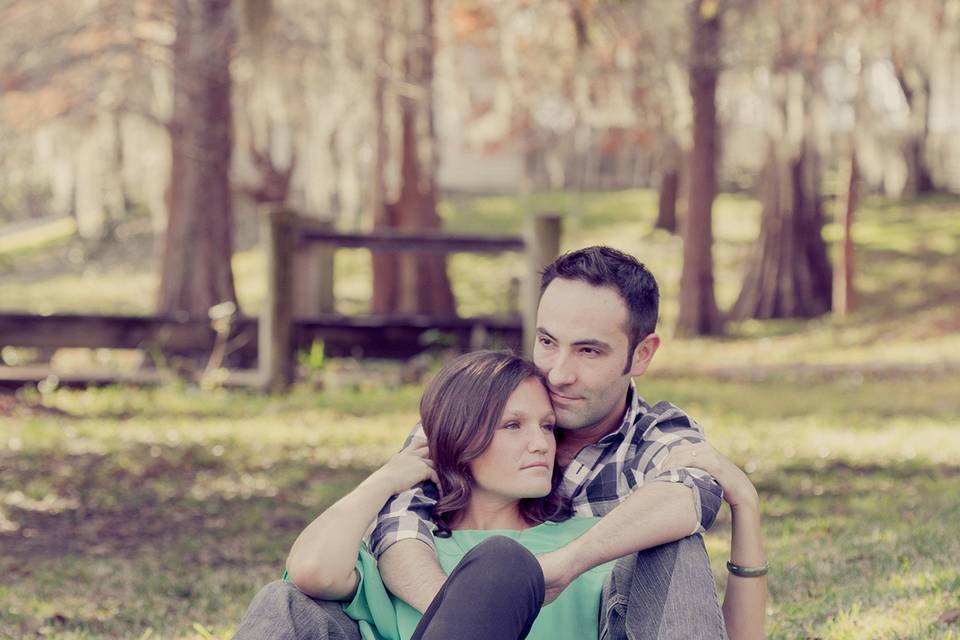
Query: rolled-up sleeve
(707, 494)
(671, 428)
(406, 515)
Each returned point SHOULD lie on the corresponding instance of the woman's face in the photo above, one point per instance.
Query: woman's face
(519, 461)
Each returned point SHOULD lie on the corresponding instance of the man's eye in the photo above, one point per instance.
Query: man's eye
(588, 351)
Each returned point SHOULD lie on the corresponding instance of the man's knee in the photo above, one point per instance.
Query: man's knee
(663, 592)
(684, 555)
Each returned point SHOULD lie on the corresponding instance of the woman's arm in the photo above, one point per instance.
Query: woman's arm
(323, 558)
(745, 599)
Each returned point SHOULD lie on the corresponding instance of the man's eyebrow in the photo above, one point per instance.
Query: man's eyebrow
(545, 332)
(597, 344)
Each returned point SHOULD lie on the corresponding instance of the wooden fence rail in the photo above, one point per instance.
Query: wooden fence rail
(298, 249)
(388, 336)
(285, 234)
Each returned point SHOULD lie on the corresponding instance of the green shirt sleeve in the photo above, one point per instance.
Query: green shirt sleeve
(372, 606)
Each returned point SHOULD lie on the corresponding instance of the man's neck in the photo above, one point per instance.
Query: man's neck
(571, 441)
(491, 512)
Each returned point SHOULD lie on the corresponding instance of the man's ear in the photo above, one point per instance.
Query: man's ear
(643, 354)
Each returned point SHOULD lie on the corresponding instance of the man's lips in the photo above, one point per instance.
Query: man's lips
(562, 398)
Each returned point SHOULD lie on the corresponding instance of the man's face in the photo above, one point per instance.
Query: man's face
(581, 347)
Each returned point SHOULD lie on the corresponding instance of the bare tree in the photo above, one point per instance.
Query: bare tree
(196, 272)
(416, 283)
(698, 307)
(789, 273)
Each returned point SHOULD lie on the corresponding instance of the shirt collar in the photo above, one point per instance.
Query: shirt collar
(634, 410)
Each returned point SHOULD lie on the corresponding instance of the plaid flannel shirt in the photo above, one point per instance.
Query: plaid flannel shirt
(599, 478)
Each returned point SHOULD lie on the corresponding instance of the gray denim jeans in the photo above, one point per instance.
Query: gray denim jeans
(666, 592)
(663, 593)
(280, 611)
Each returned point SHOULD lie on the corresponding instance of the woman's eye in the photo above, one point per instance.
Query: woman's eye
(511, 425)
(549, 426)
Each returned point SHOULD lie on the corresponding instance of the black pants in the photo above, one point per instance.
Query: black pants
(494, 593)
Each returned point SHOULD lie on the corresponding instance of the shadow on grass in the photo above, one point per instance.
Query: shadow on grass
(148, 497)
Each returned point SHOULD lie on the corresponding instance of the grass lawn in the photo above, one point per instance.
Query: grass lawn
(158, 513)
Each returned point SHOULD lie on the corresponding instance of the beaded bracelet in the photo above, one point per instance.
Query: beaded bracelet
(747, 572)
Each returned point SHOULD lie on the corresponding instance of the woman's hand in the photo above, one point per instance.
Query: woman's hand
(738, 491)
(409, 467)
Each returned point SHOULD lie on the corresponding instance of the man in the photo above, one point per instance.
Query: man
(595, 331)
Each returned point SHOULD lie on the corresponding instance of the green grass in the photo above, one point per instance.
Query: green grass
(158, 513)
(125, 512)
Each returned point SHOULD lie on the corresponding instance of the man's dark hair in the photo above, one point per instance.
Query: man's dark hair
(606, 267)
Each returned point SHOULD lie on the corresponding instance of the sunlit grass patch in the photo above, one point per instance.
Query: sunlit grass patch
(37, 237)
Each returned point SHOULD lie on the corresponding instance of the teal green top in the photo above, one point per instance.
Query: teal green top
(574, 615)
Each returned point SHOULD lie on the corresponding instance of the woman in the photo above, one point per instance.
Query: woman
(489, 425)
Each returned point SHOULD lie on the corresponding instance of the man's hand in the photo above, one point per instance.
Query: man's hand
(738, 491)
(557, 574)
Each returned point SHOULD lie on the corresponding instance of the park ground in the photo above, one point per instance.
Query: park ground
(157, 513)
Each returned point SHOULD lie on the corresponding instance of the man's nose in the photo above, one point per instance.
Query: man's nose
(561, 373)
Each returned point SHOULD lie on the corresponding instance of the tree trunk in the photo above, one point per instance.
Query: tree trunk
(916, 91)
(385, 280)
(698, 307)
(416, 283)
(789, 275)
(196, 272)
(845, 295)
(669, 190)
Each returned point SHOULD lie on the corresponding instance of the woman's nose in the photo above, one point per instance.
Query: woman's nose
(538, 442)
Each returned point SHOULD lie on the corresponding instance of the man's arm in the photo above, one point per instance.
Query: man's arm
(410, 570)
(402, 541)
(666, 505)
(627, 529)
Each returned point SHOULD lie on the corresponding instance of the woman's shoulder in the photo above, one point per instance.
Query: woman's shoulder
(559, 532)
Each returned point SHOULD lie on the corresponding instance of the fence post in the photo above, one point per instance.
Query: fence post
(275, 353)
(543, 246)
(313, 281)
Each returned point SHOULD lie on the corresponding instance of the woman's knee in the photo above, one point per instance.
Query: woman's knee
(504, 563)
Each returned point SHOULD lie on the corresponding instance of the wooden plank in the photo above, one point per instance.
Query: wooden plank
(116, 332)
(421, 241)
(276, 352)
(543, 241)
(19, 376)
(370, 336)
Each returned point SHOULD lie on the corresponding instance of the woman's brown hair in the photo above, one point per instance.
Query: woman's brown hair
(459, 410)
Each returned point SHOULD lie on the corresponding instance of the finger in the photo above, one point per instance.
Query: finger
(420, 450)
